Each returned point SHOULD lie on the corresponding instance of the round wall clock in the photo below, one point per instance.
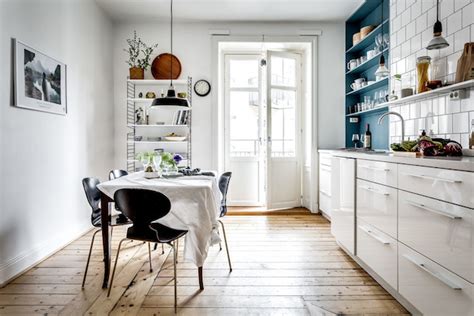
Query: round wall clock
(202, 87)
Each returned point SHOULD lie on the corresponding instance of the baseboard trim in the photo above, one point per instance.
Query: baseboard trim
(32, 257)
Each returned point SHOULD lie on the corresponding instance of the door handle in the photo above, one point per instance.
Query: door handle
(426, 208)
(421, 176)
(374, 191)
(375, 169)
(434, 274)
(374, 236)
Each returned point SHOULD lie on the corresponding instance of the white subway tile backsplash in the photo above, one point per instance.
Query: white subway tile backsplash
(453, 106)
(411, 24)
(454, 22)
(467, 15)
(465, 140)
(445, 124)
(461, 122)
(461, 37)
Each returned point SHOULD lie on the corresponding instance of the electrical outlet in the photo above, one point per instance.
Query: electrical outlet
(457, 94)
(354, 120)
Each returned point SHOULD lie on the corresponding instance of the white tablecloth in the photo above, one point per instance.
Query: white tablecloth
(195, 206)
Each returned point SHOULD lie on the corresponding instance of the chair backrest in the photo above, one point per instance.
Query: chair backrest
(117, 173)
(93, 196)
(142, 207)
(224, 181)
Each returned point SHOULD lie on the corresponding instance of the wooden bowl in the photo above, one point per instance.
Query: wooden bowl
(356, 38)
(366, 30)
(161, 67)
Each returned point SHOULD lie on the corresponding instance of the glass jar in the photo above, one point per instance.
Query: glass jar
(422, 71)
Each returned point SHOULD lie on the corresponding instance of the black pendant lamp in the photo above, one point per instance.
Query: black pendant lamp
(170, 99)
(438, 40)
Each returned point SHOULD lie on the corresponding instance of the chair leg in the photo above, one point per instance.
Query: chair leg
(149, 256)
(156, 246)
(176, 246)
(115, 266)
(220, 244)
(89, 258)
(226, 245)
(162, 249)
(175, 257)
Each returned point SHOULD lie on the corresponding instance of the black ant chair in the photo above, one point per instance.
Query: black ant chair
(143, 207)
(117, 173)
(93, 197)
(224, 181)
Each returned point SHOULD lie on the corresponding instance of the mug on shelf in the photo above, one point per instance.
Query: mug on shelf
(362, 59)
(352, 64)
(358, 83)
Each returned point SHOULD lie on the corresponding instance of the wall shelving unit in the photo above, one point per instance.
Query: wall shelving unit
(165, 114)
(371, 12)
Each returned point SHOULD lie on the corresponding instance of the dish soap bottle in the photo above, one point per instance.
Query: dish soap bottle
(368, 138)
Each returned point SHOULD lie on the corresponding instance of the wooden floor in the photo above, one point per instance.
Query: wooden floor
(283, 265)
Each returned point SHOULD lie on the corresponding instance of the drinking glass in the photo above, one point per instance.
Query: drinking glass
(386, 40)
(355, 139)
(362, 138)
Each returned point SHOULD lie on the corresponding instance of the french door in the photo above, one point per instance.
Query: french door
(262, 129)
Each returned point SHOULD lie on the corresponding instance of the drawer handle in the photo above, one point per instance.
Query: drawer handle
(421, 176)
(374, 236)
(324, 192)
(435, 274)
(374, 190)
(375, 169)
(426, 208)
(326, 165)
(325, 168)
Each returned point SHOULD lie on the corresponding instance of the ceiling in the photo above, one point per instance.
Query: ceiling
(230, 10)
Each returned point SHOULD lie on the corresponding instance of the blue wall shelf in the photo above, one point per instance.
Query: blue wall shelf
(376, 13)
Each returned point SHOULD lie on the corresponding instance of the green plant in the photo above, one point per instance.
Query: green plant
(146, 156)
(167, 159)
(139, 52)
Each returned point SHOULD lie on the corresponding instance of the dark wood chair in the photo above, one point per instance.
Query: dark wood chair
(93, 197)
(143, 207)
(224, 181)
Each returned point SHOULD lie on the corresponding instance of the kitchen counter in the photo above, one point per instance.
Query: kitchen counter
(462, 163)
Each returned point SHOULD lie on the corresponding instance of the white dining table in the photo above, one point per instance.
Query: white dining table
(195, 206)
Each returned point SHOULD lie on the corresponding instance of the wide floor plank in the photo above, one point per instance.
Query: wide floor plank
(282, 265)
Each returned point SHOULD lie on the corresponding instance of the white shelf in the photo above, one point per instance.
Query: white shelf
(433, 93)
(157, 125)
(149, 82)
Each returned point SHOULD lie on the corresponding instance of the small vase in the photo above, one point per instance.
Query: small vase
(137, 73)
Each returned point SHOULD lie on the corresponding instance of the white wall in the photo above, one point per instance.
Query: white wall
(411, 28)
(44, 156)
(192, 45)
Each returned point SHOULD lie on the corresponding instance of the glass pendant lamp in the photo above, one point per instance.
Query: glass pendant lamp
(170, 99)
(382, 71)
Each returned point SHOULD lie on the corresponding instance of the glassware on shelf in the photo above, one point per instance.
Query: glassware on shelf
(422, 72)
(386, 40)
(355, 139)
(379, 43)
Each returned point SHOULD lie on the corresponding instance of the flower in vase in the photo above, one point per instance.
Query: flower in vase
(177, 158)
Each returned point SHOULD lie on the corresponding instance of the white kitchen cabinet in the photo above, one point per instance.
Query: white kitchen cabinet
(377, 171)
(325, 170)
(377, 205)
(378, 251)
(432, 289)
(343, 202)
(441, 231)
(448, 185)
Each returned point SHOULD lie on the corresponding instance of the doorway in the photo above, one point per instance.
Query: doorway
(263, 127)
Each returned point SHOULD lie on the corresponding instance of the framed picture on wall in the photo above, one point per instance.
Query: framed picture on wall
(40, 80)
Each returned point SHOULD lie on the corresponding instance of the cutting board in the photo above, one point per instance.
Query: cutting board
(161, 67)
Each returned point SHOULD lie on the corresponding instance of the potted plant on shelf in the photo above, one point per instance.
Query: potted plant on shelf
(138, 56)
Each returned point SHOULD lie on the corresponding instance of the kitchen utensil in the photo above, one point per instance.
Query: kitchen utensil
(366, 30)
(160, 68)
(352, 64)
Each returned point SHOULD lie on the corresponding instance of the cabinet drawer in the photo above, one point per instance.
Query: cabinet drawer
(378, 251)
(325, 159)
(376, 171)
(432, 289)
(377, 205)
(325, 203)
(441, 231)
(448, 185)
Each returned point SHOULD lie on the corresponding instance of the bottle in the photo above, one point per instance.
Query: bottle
(368, 138)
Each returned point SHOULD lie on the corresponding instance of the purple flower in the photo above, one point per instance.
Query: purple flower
(177, 158)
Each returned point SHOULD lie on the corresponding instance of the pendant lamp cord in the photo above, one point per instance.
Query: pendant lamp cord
(437, 10)
(171, 57)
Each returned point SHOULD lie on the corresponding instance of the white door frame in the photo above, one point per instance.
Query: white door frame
(217, 99)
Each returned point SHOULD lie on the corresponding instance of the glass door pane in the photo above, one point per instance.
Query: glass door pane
(283, 130)
(244, 123)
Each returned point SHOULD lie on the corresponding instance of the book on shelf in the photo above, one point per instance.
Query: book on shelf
(181, 117)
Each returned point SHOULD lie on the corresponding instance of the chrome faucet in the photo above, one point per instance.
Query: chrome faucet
(401, 119)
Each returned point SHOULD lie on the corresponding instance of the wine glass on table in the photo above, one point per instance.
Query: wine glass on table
(355, 139)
